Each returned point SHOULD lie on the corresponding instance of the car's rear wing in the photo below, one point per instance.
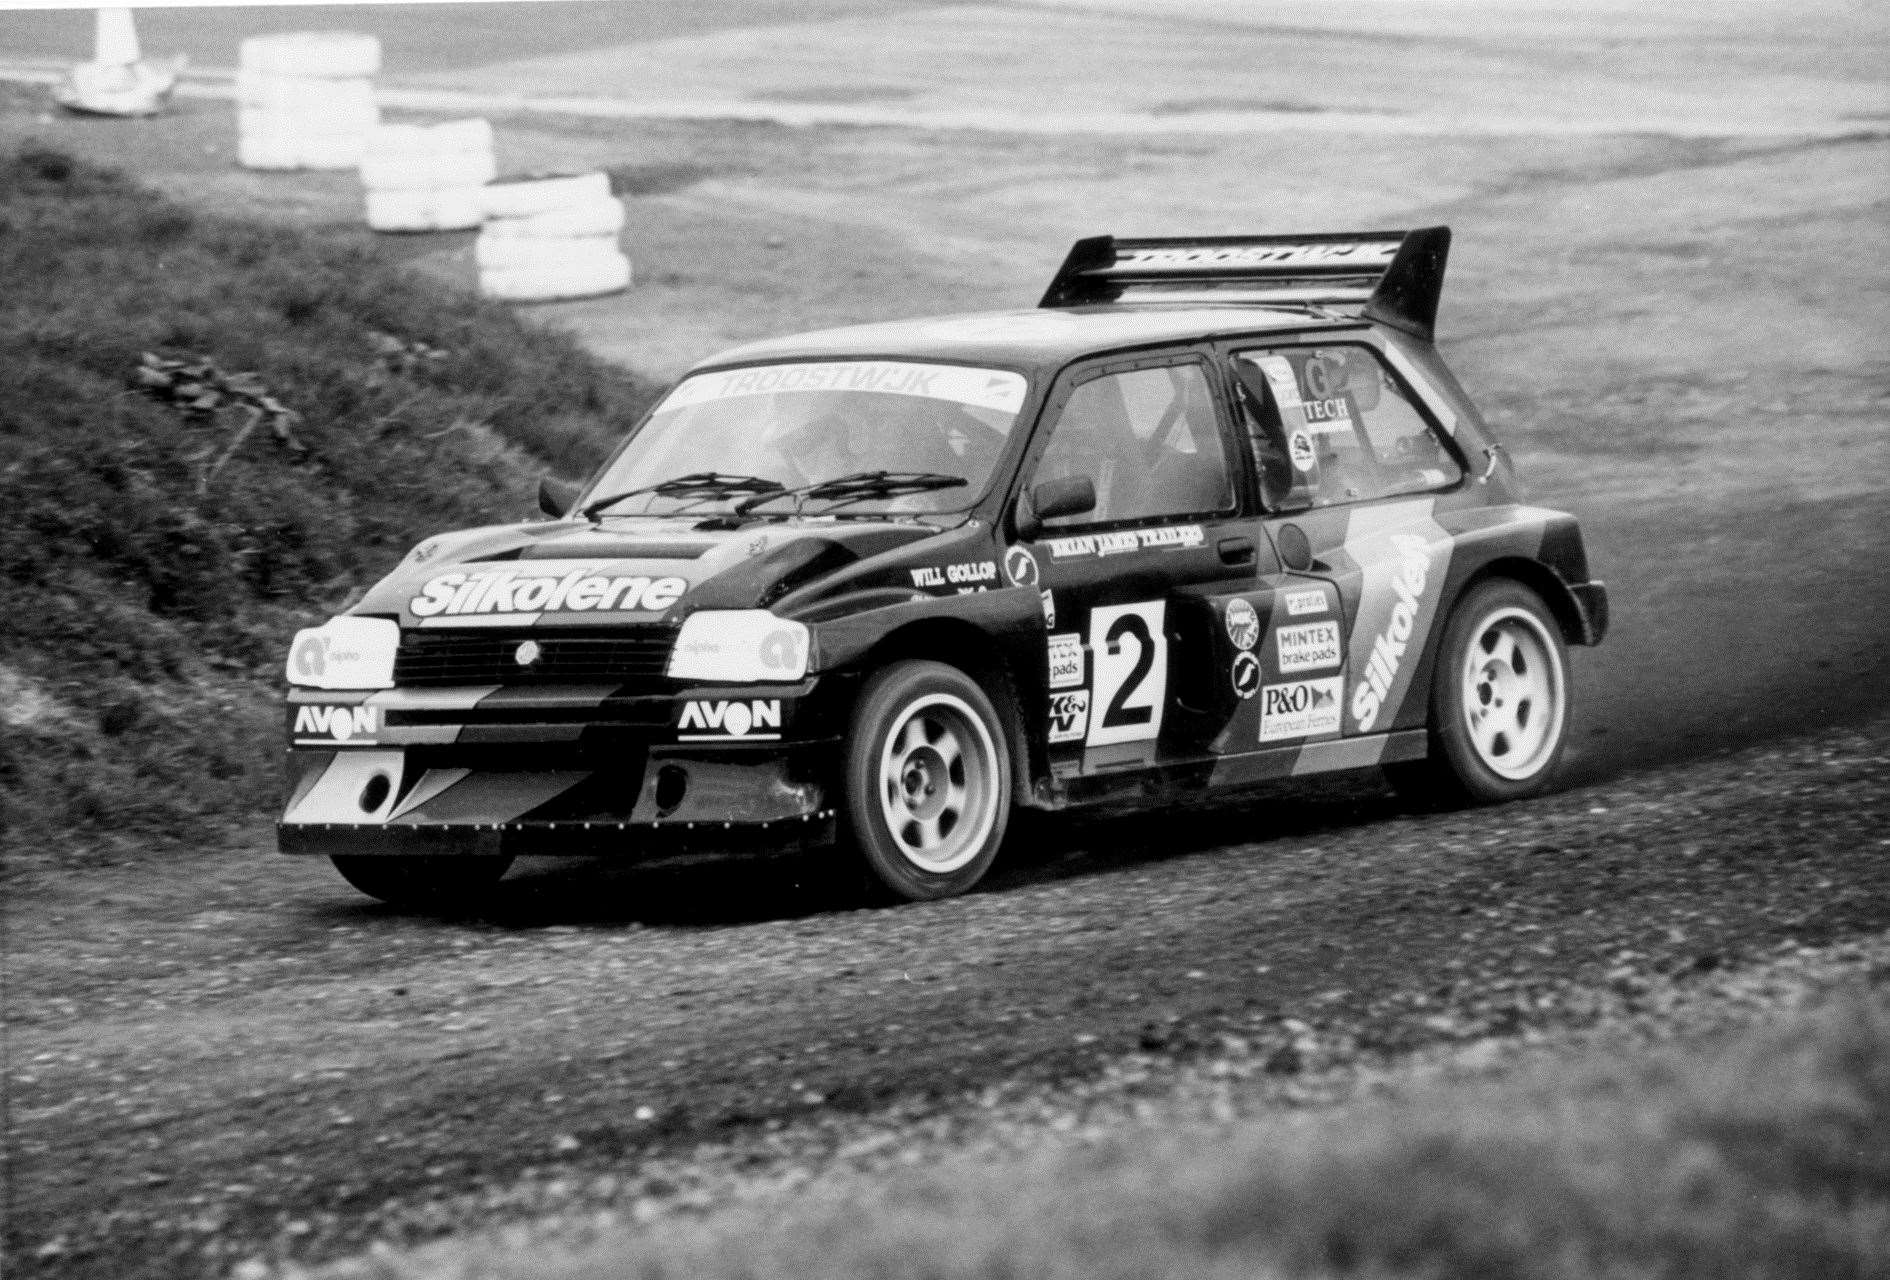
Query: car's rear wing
(1396, 275)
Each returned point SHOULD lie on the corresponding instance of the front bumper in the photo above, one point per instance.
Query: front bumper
(560, 769)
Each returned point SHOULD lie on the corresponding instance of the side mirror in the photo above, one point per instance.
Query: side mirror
(1067, 496)
(555, 496)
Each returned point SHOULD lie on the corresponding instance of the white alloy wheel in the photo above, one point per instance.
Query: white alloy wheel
(938, 783)
(1515, 693)
(926, 794)
(1500, 702)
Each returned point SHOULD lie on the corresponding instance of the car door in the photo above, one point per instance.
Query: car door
(1134, 673)
(1351, 468)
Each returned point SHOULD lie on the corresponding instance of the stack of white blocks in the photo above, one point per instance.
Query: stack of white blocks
(548, 238)
(305, 100)
(428, 177)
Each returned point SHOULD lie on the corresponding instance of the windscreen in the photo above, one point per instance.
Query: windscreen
(797, 425)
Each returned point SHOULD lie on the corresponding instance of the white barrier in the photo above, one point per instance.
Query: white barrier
(441, 209)
(305, 100)
(551, 238)
(427, 177)
(584, 280)
(523, 197)
(592, 218)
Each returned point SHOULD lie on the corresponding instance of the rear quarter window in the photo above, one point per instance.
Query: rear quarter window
(1332, 425)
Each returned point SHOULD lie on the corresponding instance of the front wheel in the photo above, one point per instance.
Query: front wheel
(1499, 701)
(928, 780)
(426, 882)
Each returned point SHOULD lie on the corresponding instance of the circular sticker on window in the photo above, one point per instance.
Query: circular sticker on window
(1243, 624)
(1300, 447)
(1246, 674)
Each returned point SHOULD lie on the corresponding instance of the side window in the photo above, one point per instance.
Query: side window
(1148, 439)
(1330, 425)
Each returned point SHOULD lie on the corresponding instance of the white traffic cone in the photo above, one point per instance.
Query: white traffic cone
(115, 43)
(117, 81)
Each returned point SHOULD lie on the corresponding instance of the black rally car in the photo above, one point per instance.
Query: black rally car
(1214, 513)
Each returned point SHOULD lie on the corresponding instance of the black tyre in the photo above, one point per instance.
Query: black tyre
(1500, 701)
(424, 883)
(928, 780)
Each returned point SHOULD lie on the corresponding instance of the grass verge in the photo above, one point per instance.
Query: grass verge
(155, 555)
(1760, 1153)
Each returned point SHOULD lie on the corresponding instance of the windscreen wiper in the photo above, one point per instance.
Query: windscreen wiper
(858, 486)
(700, 485)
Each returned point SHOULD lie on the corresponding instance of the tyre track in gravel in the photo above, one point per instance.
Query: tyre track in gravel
(298, 1073)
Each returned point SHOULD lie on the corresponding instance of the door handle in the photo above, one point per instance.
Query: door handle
(1236, 550)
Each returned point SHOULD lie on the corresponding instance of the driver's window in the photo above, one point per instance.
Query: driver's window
(1148, 439)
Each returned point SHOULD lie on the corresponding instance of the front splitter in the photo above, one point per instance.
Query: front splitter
(630, 841)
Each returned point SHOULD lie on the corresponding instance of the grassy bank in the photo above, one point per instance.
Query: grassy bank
(1762, 1153)
(159, 541)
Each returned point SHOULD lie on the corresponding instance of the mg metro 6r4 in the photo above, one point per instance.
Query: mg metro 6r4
(1214, 513)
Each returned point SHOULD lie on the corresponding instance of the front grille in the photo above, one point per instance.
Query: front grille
(628, 655)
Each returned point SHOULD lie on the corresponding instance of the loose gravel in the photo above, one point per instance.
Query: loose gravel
(228, 1058)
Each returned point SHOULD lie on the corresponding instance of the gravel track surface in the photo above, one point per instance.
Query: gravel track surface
(231, 1056)
(846, 1167)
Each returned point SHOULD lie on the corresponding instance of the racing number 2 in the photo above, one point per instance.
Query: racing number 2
(1129, 652)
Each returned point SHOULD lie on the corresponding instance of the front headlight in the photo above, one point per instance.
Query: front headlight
(345, 653)
(747, 646)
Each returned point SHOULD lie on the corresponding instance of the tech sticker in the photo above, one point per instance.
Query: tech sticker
(1246, 674)
(1243, 624)
(1020, 567)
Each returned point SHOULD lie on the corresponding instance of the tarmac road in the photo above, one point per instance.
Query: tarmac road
(221, 1053)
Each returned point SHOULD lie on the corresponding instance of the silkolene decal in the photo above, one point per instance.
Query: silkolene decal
(1388, 648)
(547, 587)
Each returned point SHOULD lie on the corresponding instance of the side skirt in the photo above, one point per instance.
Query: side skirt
(1101, 783)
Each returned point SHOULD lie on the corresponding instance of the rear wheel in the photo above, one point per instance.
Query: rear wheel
(1499, 703)
(928, 780)
(425, 882)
